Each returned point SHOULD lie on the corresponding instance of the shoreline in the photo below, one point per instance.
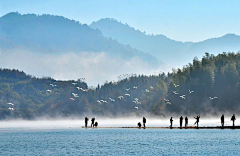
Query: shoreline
(190, 127)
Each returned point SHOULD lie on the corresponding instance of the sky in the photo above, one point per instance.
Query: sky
(181, 20)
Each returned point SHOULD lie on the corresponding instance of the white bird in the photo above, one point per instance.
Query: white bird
(71, 98)
(128, 89)
(169, 103)
(175, 85)
(136, 107)
(182, 96)
(175, 92)
(112, 99)
(11, 108)
(105, 101)
(79, 88)
(49, 91)
(74, 84)
(190, 91)
(10, 104)
(212, 98)
(102, 100)
(151, 87)
(120, 97)
(134, 87)
(136, 99)
(75, 95)
(127, 94)
(53, 85)
(166, 100)
(99, 101)
(147, 90)
(138, 102)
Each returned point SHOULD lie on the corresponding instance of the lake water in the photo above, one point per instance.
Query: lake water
(81, 141)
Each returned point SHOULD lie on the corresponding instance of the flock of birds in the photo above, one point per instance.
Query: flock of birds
(184, 96)
(136, 100)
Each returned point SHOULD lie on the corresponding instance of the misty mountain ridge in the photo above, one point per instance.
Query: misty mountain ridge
(162, 47)
(47, 34)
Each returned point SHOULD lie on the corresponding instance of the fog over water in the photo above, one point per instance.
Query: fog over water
(106, 122)
(96, 68)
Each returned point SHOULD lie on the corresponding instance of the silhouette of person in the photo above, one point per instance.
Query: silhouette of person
(86, 121)
(181, 120)
(171, 122)
(197, 120)
(139, 125)
(92, 124)
(144, 122)
(186, 122)
(222, 120)
(96, 124)
(233, 119)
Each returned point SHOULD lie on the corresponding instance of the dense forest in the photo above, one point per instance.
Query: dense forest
(210, 85)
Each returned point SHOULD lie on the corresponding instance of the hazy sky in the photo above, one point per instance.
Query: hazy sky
(181, 20)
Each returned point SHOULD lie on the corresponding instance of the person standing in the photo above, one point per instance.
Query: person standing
(171, 122)
(222, 121)
(144, 122)
(233, 119)
(93, 120)
(181, 121)
(86, 121)
(186, 122)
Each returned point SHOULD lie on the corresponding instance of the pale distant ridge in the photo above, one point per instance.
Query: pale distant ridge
(162, 47)
(56, 35)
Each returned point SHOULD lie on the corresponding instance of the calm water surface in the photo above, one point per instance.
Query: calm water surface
(80, 141)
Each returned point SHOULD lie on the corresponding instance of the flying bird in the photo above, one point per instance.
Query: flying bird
(136, 108)
(10, 104)
(134, 87)
(183, 97)
(151, 87)
(190, 91)
(99, 101)
(169, 103)
(11, 108)
(147, 90)
(75, 95)
(128, 89)
(74, 84)
(49, 91)
(175, 85)
(175, 92)
(71, 99)
(120, 97)
(53, 85)
(127, 94)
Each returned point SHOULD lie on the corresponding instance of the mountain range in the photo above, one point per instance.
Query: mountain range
(163, 47)
(57, 35)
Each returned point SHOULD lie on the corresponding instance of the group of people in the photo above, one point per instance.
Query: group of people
(93, 123)
(233, 118)
(186, 121)
(144, 123)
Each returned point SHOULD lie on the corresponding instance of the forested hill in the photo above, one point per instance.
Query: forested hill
(48, 34)
(207, 86)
